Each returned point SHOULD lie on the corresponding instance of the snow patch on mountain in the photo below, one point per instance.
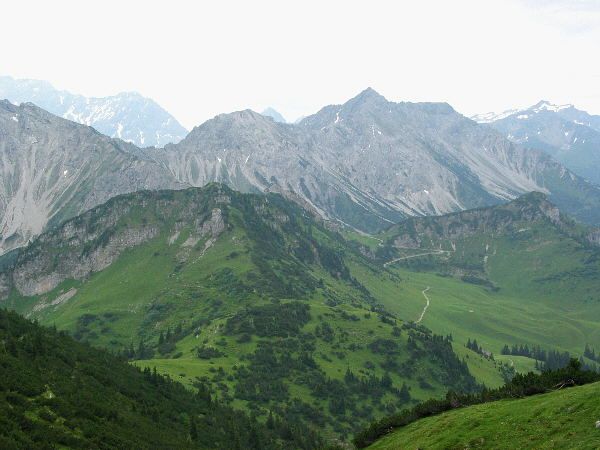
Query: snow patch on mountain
(547, 106)
(490, 117)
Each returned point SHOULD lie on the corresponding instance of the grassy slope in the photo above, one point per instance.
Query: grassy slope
(493, 318)
(562, 419)
(399, 290)
(549, 290)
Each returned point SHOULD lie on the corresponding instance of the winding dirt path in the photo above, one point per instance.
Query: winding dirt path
(426, 305)
(424, 291)
(435, 252)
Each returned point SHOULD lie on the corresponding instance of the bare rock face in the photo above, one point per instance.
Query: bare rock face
(62, 298)
(213, 226)
(33, 278)
(87, 249)
(52, 169)
(91, 242)
(207, 229)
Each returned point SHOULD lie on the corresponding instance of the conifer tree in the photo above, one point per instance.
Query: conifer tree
(193, 429)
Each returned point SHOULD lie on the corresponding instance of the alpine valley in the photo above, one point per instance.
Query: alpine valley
(262, 284)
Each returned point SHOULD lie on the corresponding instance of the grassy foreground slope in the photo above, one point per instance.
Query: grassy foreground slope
(563, 419)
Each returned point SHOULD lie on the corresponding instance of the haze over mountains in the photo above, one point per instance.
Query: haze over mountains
(569, 135)
(127, 115)
(367, 163)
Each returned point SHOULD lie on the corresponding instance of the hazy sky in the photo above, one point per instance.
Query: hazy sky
(198, 59)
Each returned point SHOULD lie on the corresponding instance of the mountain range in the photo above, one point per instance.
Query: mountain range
(367, 164)
(569, 135)
(127, 116)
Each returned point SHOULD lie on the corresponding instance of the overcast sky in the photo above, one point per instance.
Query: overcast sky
(198, 59)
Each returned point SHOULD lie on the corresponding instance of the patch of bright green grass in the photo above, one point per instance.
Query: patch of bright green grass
(562, 419)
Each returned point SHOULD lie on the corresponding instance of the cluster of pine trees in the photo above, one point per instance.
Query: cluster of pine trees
(143, 350)
(550, 359)
(535, 352)
(590, 353)
(376, 387)
(474, 346)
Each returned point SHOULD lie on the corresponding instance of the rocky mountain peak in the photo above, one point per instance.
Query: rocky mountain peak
(492, 116)
(10, 113)
(245, 115)
(368, 97)
(370, 93)
(237, 118)
(32, 110)
(230, 126)
(567, 134)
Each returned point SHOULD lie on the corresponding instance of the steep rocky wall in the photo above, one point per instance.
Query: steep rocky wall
(45, 271)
